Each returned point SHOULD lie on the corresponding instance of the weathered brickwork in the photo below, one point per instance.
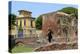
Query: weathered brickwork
(63, 25)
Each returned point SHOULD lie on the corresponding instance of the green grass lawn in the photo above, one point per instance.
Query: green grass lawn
(19, 49)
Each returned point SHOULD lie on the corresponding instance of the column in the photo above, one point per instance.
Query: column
(30, 27)
(16, 28)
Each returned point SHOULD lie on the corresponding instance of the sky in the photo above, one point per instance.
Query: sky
(37, 8)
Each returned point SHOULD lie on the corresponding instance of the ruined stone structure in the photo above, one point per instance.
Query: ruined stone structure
(57, 46)
(63, 25)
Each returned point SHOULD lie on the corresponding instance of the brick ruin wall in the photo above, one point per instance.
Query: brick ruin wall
(50, 22)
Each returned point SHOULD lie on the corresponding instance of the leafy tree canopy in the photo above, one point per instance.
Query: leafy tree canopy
(70, 10)
(39, 22)
(12, 20)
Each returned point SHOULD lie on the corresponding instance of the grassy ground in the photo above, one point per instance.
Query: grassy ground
(19, 49)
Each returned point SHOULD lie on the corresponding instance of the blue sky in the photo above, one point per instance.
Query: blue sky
(37, 8)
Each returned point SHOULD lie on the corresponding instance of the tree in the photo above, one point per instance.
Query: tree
(12, 20)
(70, 10)
(39, 22)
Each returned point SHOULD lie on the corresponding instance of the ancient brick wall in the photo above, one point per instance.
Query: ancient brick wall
(49, 22)
(60, 26)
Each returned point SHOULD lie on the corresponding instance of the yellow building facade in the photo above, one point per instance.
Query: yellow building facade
(25, 24)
